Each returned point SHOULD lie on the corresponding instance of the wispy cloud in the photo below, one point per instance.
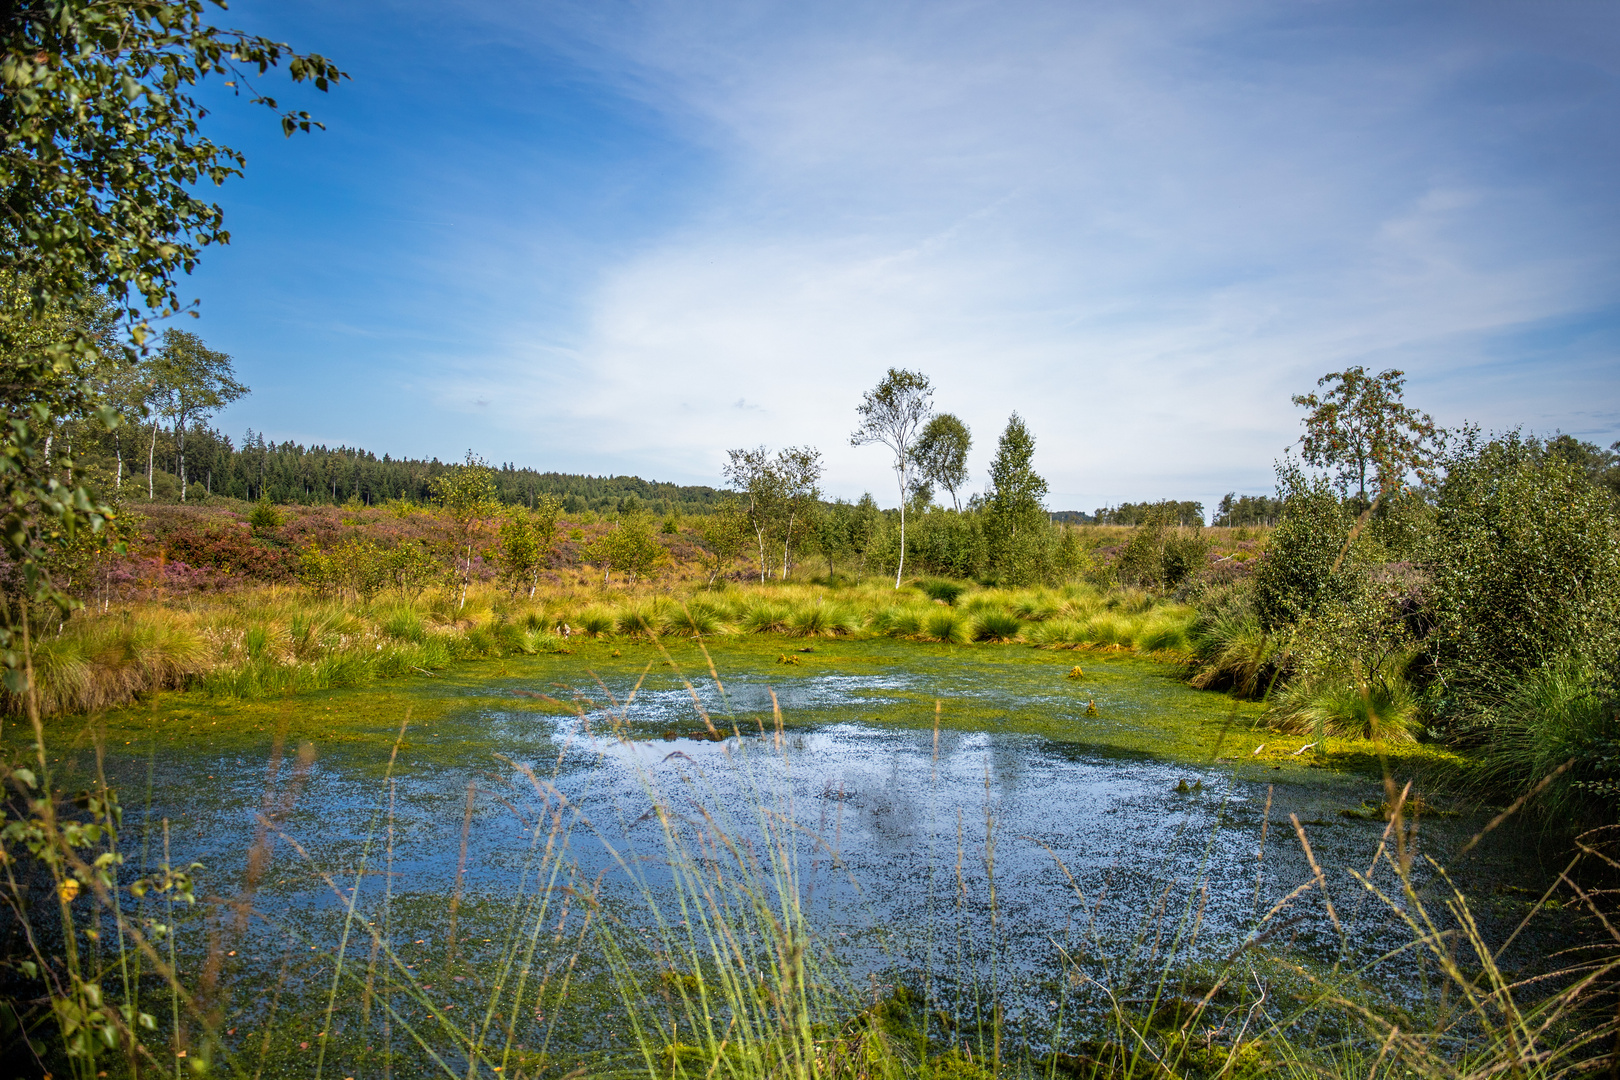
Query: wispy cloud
(1141, 225)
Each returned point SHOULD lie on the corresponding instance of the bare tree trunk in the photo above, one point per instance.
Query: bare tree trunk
(787, 541)
(900, 568)
(151, 452)
(180, 455)
(48, 440)
(118, 452)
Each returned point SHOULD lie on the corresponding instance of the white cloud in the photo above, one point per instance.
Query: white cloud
(1141, 226)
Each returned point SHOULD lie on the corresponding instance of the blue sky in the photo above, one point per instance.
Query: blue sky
(622, 237)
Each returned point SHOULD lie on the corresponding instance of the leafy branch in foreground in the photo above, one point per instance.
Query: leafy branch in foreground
(101, 142)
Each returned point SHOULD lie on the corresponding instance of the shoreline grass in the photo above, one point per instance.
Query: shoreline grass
(259, 641)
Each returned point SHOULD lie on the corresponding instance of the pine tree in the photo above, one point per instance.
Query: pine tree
(1015, 513)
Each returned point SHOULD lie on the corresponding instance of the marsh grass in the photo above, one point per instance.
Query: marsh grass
(1558, 721)
(264, 641)
(1235, 653)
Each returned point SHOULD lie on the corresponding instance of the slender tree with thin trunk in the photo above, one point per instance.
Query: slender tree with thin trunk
(189, 382)
(799, 468)
(892, 414)
(758, 483)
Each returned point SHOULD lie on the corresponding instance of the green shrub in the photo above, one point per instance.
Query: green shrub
(340, 670)
(510, 638)
(476, 644)
(1165, 634)
(1035, 608)
(822, 620)
(1058, 632)
(1159, 556)
(256, 642)
(764, 617)
(1307, 561)
(394, 661)
(1559, 717)
(404, 625)
(1234, 652)
(264, 516)
(693, 617)
(1525, 572)
(1108, 629)
(898, 621)
(638, 619)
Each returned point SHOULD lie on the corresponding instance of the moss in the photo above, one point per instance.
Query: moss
(1142, 706)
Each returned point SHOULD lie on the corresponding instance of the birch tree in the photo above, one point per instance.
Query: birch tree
(799, 468)
(941, 454)
(467, 493)
(190, 381)
(892, 414)
(758, 484)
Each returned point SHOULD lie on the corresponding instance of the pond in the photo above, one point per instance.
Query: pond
(965, 816)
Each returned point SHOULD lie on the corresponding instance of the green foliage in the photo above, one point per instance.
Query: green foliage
(725, 534)
(362, 567)
(1070, 559)
(996, 626)
(99, 150)
(629, 548)
(940, 589)
(1234, 652)
(820, 619)
(1307, 559)
(694, 617)
(1160, 556)
(1015, 512)
(467, 494)
(941, 454)
(1362, 426)
(948, 542)
(892, 414)
(1238, 510)
(1383, 710)
(943, 624)
(765, 617)
(45, 353)
(523, 543)
(1525, 570)
(780, 498)
(265, 516)
(186, 382)
(1560, 723)
(1601, 466)
(1168, 511)
(102, 145)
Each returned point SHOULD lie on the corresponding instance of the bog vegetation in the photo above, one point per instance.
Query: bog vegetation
(1403, 583)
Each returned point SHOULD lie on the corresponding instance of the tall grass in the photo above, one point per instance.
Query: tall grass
(1559, 722)
(1382, 710)
(1235, 653)
(271, 640)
